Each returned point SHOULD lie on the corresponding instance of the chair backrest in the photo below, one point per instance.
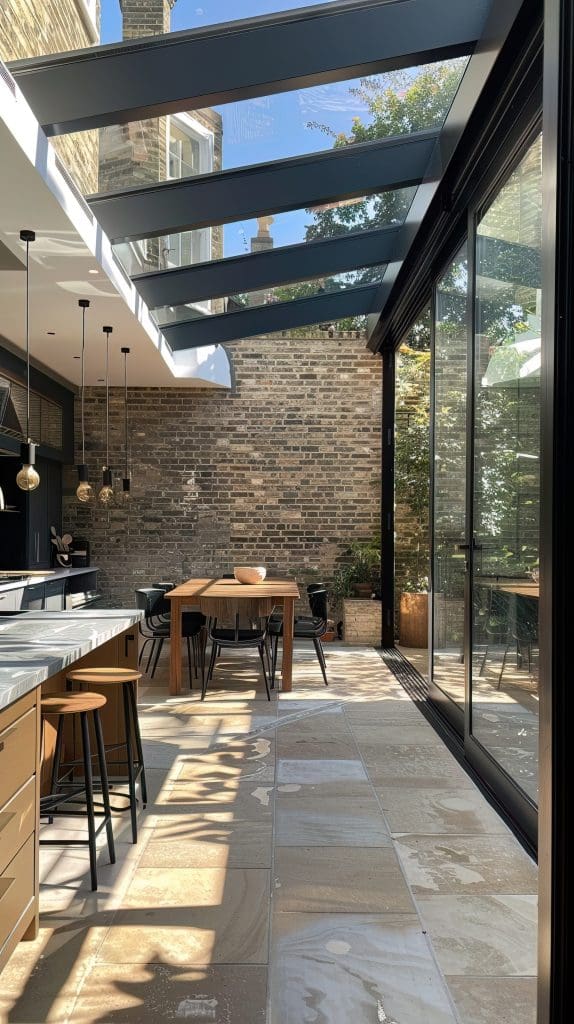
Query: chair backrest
(163, 586)
(318, 604)
(151, 601)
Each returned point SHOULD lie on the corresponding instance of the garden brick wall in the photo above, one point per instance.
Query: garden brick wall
(283, 470)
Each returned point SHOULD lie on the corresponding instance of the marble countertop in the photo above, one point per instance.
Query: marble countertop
(36, 645)
(25, 580)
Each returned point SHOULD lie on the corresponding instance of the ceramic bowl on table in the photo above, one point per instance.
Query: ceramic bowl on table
(250, 573)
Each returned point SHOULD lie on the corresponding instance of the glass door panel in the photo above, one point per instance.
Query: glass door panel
(506, 474)
(449, 479)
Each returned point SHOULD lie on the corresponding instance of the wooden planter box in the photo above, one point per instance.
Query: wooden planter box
(413, 620)
(362, 621)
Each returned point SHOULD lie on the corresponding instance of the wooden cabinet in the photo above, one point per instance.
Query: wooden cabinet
(20, 786)
(19, 803)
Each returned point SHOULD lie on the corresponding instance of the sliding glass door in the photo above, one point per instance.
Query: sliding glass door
(485, 515)
(506, 474)
(449, 413)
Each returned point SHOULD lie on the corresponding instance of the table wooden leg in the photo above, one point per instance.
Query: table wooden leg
(175, 648)
(287, 660)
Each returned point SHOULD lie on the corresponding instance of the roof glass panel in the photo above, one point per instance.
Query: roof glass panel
(263, 233)
(275, 127)
(324, 285)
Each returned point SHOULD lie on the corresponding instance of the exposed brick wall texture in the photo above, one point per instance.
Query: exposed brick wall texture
(283, 470)
(31, 29)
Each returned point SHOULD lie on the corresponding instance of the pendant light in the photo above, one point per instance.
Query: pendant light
(126, 482)
(28, 477)
(84, 490)
(106, 492)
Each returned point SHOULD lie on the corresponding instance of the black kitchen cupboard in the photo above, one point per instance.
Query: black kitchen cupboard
(25, 539)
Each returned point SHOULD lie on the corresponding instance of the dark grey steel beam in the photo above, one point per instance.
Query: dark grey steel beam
(297, 183)
(257, 270)
(280, 316)
(145, 78)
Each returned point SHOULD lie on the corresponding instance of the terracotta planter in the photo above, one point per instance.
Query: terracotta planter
(413, 622)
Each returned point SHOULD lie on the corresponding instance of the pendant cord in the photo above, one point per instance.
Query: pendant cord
(27, 340)
(126, 408)
(107, 401)
(82, 404)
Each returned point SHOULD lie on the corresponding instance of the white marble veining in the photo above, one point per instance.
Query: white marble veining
(37, 645)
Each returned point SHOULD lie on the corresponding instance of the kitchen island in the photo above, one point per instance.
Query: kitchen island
(37, 648)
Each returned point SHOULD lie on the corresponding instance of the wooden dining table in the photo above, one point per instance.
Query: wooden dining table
(223, 599)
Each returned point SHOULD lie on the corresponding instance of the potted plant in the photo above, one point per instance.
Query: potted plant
(413, 612)
(354, 583)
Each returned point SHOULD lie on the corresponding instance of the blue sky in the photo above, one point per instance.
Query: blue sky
(266, 128)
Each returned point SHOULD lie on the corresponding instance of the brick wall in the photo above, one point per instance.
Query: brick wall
(29, 28)
(283, 470)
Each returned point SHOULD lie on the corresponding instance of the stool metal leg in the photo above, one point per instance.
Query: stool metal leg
(57, 754)
(89, 798)
(139, 748)
(130, 765)
(104, 782)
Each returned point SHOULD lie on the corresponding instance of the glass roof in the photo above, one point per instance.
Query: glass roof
(275, 127)
(266, 296)
(243, 237)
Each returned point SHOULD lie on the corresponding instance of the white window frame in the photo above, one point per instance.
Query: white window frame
(189, 126)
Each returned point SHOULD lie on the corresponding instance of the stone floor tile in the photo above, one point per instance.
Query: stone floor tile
(482, 935)
(342, 968)
(329, 814)
(188, 916)
(242, 758)
(40, 982)
(237, 800)
(339, 879)
(485, 1000)
(430, 766)
(315, 770)
(178, 842)
(150, 993)
(443, 811)
(466, 864)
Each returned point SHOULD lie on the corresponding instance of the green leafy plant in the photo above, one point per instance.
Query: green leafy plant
(363, 565)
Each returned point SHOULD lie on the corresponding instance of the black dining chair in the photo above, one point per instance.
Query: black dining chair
(223, 638)
(306, 627)
(155, 629)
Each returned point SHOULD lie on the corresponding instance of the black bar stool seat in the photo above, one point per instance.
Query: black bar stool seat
(127, 678)
(66, 790)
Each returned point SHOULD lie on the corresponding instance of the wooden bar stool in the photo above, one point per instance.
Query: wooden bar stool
(65, 789)
(127, 679)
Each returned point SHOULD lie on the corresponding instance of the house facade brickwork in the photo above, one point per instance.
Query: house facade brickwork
(32, 29)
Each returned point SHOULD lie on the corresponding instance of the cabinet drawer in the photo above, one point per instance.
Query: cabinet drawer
(17, 821)
(16, 889)
(17, 755)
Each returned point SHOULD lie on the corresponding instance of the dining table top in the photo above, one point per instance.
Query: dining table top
(231, 588)
(520, 587)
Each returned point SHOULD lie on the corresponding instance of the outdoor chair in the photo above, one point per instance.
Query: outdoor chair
(306, 627)
(155, 629)
(223, 638)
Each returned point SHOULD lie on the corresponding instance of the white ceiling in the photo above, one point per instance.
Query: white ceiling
(34, 194)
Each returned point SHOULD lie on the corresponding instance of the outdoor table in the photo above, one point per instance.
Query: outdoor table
(223, 599)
